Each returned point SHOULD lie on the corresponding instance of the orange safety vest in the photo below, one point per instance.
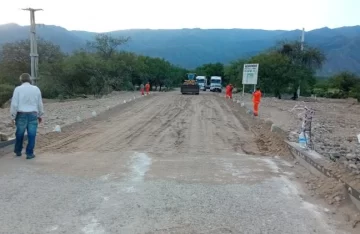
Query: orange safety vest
(227, 88)
(257, 96)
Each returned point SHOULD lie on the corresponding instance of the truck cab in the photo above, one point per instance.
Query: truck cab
(202, 81)
(215, 84)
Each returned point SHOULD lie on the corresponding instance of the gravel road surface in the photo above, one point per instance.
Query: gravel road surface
(161, 164)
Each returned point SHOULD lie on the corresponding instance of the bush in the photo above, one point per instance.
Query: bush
(319, 92)
(49, 87)
(355, 92)
(6, 92)
(337, 94)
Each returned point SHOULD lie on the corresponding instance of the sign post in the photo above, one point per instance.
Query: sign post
(250, 75)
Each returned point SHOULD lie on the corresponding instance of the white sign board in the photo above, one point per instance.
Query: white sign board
(250, 74)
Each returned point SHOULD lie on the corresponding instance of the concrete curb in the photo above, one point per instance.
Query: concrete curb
(316, 165)
(6, 143)
(307, 160)
(5, 146)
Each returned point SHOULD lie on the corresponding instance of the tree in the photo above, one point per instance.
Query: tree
(97, 71)
(274, 74)
(233, 72)
(15, 59)
(305, 63)
(310, 57)
(281, 69)
(106, 45)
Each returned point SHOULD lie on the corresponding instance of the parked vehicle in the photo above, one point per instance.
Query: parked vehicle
(202, 81)
(216, 84)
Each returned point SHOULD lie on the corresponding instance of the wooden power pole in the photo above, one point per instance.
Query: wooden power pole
(34, 56)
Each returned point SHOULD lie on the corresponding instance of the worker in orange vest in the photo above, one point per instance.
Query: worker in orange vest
(227, 90)
(256, 101)
(147, 88)
(230, 91)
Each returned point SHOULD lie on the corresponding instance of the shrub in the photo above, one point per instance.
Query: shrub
(355, 92)
(49, 87)
(6, 92)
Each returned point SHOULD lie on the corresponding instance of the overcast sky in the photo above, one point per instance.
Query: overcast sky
(109, 15)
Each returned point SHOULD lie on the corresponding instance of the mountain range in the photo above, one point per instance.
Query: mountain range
(190, 48)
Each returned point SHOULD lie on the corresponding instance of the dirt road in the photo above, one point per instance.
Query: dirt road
(162, 164)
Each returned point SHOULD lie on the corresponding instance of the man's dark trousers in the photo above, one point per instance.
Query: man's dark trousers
(26, 122)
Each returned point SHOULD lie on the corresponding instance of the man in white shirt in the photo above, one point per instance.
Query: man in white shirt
(26, 112)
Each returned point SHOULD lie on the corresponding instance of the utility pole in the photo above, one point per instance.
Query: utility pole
(34, 56)
(302, 49)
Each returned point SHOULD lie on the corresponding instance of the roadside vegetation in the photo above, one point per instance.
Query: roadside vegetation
(98, 69)
(285, 67)
(102, 67)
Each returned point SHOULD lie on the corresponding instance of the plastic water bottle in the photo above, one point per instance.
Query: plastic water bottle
(57, 128)
(302, 140)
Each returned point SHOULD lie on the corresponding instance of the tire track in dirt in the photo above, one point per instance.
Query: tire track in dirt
(79, 135)
(166, 123)
(267, 143)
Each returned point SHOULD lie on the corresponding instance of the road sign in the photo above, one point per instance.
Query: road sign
(250, 74)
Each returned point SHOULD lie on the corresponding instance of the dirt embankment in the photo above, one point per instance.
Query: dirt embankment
(335, 126)
(67, 112)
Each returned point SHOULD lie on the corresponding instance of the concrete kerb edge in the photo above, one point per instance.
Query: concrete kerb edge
(310, 164)
(314, 167)
(5, 144)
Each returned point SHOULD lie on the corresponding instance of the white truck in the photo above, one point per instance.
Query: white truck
(202, 81)
(215, 84)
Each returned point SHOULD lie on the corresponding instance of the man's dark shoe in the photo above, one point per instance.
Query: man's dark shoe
(17, 154)
(30, 156)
